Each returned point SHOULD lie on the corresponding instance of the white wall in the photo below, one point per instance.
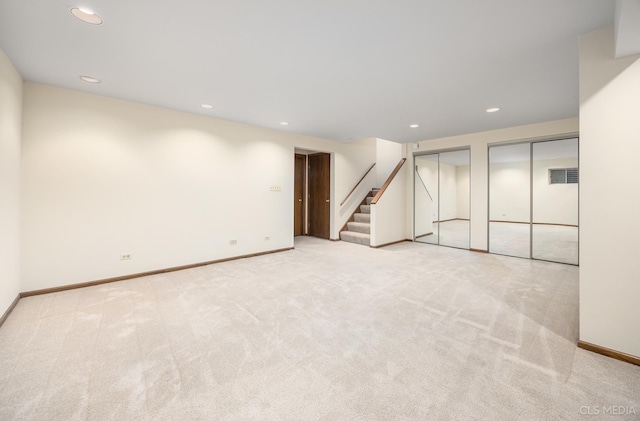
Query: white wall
(388, 215)
(554, 203)
(478, 142)
(448, 194)
(510, 191)
(388, 154)
(10, 134)
(609, 203)
(462, 191)
(102, 177)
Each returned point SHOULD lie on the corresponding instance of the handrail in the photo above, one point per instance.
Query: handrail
(388, 182)
(357, 184)
(423, 185)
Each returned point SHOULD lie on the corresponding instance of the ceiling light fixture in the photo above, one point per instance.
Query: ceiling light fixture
(493, 110)
(284, 123)
(90, 79)
(206, 106)
(413, 126)
(86, 15)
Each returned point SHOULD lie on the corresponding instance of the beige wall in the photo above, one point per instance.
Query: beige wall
(554, 203)
(10, 133)
(510, 185)
(388, 154)
(448, 202)
(462, 191)
(388, 215)
(509, 191)
(478, 143)
(609, 199)
(448, 196)
(103, 177)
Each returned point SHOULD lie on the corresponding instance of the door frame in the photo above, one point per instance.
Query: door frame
(305, 186)
(530, 142)
(307, 153)
(319, 200)
(413, 180)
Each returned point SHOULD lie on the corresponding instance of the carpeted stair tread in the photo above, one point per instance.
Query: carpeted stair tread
(363, 227)
(362, 217)
(356, 237)
(359, 230)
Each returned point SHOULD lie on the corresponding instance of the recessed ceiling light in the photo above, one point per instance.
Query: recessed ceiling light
(493, 110)
(90, 79)
(284, 123)
(413, 126)
(206, 106)
(86, 15)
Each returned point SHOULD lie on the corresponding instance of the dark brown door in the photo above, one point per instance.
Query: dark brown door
(319, 190)
(299, 194)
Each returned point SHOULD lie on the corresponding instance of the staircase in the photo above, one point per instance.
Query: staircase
(359, 225)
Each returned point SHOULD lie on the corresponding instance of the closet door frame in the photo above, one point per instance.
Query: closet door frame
(531, 142)
(438, 152)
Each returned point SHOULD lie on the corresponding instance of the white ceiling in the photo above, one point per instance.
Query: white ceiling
(337, 69)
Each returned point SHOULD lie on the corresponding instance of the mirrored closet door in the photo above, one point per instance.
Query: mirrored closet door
(554, 230)
(441, 198)
(510, 200)
(533, 200)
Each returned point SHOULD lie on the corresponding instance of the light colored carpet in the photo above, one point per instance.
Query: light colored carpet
(554, 243)
(328, 331)
(454, 233)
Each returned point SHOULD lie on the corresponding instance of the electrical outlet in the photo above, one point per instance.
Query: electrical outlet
(233, 242)
(125, 257)
(267, 238)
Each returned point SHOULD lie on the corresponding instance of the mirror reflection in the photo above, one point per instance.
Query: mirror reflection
(426, 198)
(555, 201)
(510, 200)
(533, 200)
(441, 192)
